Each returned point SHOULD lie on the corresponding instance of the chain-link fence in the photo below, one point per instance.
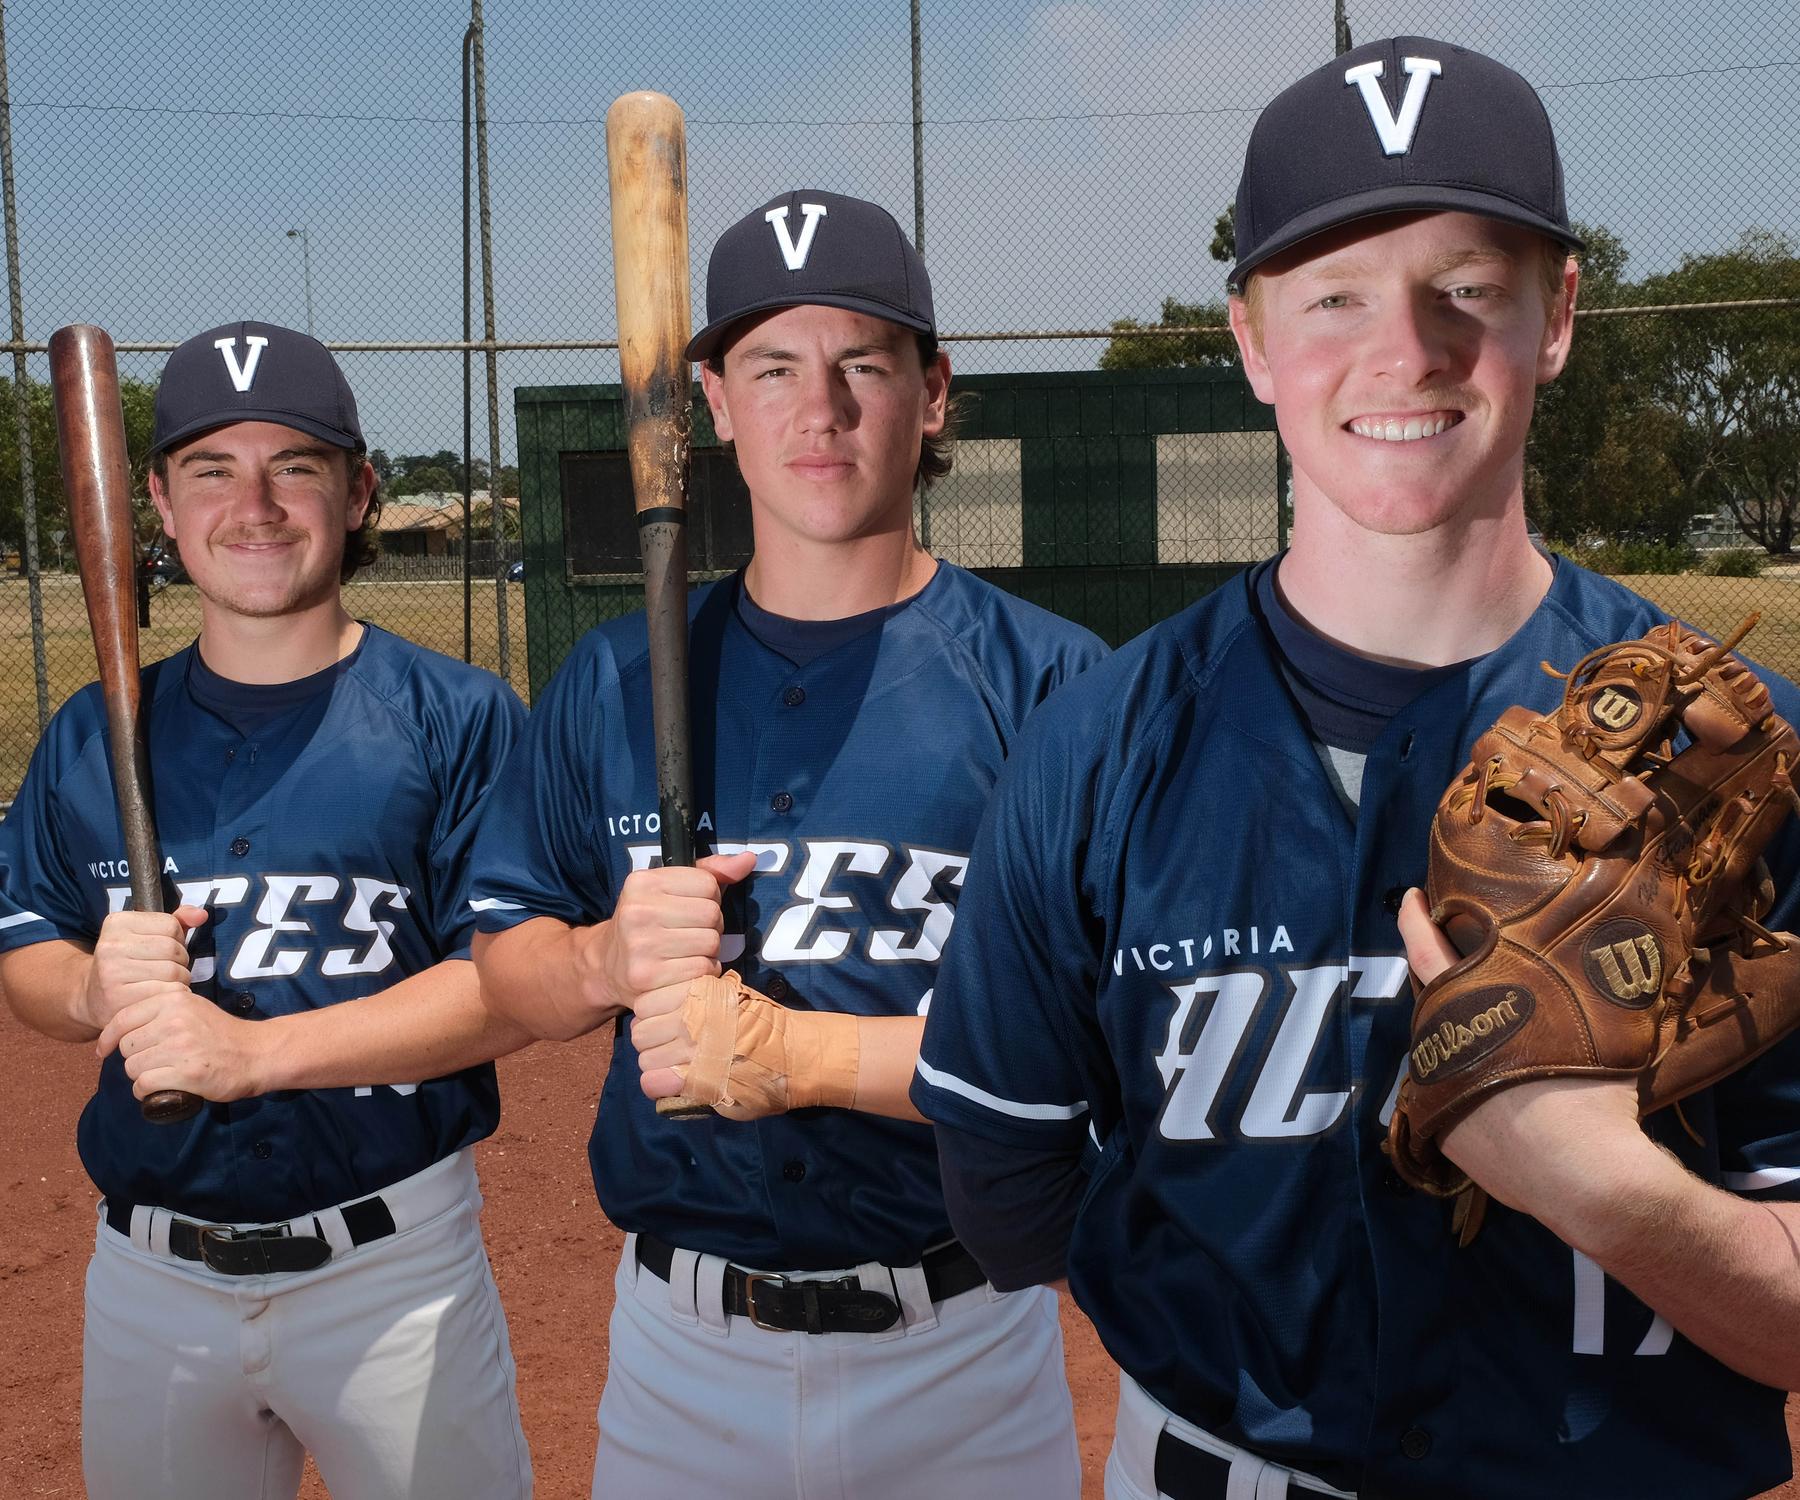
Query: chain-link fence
(182, 165)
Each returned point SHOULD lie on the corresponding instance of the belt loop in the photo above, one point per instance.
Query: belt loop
(329, 1225)
(906, 1285)
(1271, 1482)
(628, 1266)
(150, 1229)
(1244, 1479)
(706, 1282)
(681, 1286)
(1136, 1429)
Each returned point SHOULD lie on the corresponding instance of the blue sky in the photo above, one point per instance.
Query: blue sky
(1076, 154)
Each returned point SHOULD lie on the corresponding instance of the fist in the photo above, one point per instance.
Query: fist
(663, 935)
(138, 953)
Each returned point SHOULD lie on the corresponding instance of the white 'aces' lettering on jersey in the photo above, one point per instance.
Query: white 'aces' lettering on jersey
(260, 954)
(804, 931)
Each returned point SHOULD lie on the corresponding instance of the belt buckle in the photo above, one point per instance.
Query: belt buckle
(246, 1252)
(214, 1235)
(751, 1278)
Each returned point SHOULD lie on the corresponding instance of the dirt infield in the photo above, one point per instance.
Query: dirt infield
(552, 1255)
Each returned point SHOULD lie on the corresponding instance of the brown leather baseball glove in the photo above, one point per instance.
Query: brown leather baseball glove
(1604, 888)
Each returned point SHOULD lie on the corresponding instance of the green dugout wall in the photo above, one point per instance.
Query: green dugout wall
(1114, 498)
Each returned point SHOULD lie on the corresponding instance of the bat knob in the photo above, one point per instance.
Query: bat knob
(171, 1106)
(682, 1108)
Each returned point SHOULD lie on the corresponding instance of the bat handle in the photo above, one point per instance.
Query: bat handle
(171, 1106)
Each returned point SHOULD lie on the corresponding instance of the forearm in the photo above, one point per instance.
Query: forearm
(530, 975)
(887, 1056)
(44, 986)
(426, 1026)
(1724, 1270)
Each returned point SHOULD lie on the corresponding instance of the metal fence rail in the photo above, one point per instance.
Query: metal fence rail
(424, 183)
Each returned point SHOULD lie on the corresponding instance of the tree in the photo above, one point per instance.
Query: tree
(138, 398)
(1183, 350)
(1194, 351)
(1596, 461)
(1224, 241)
(436, 473)
(1735, 378)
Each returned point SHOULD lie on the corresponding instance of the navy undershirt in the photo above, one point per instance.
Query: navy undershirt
(247, 706)
(1345, 700)
(804, 641)
(1015, 1207)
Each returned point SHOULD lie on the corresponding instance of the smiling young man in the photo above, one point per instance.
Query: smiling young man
(299, 1267)
(1177, 940)
(793, 1316)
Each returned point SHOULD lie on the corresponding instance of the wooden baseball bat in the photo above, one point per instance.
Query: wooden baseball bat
(646, 159)
(90, 427)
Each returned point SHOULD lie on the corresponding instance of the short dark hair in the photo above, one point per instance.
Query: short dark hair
(937, 453)
(361, 547)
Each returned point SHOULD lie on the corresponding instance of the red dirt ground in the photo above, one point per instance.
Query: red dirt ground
(552, 1254)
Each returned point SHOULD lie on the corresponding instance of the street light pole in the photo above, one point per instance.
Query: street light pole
(306, 270)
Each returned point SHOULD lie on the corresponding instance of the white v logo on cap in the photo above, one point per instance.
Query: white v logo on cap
(1396, 134)
(795, 255)
(242, 375)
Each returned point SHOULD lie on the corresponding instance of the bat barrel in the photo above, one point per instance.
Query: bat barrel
(646, 155)
(90, 428)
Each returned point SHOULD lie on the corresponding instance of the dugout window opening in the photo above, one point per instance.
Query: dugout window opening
(600, 520)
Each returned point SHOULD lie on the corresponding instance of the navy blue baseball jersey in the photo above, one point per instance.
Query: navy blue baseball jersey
(858, 779)
(328, 841)
(1175, 942)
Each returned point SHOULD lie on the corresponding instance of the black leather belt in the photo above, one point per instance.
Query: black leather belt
(261, 1252)
(784, 1305)
(1184, 1472)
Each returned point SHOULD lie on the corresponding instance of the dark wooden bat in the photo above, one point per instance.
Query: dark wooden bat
(646, 158)
(90, 426)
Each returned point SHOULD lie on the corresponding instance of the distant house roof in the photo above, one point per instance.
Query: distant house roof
(434, 512)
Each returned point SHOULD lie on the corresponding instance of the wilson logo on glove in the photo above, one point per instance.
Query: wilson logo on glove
(1470, 1028)
(1617, 708)
(1624, 960)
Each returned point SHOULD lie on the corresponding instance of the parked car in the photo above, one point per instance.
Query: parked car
(161, 565)
(515, 572)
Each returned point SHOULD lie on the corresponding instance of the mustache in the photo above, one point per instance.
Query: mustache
(235, 534)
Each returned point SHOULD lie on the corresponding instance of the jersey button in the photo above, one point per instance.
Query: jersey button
(1392, 897)
(262, 1150)
(794, 697)
(776, 987)
(1415, 1442)
(793, 1171)
(781, 802)
(1396, 1184)
(240, 847)
(243, 1002)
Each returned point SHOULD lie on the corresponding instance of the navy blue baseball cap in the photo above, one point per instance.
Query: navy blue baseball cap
(254, 372)
(1405, 124)
(813, 247)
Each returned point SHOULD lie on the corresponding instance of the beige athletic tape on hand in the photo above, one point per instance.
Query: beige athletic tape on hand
(753, 1057)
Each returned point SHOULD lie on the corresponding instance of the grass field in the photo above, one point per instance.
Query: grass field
(429, 613)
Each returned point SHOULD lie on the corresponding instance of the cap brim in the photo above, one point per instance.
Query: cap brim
(706, 343)
(336, 436)
(1408, 198)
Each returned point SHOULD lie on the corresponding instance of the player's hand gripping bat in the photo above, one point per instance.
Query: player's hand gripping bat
(90, 426)
(646, 158)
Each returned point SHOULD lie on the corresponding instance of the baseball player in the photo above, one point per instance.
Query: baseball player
(1177, 945)
(299, 1267)
(792, 1315)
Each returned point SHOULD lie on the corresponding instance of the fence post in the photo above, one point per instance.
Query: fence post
(496, 511)
(28, 549)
